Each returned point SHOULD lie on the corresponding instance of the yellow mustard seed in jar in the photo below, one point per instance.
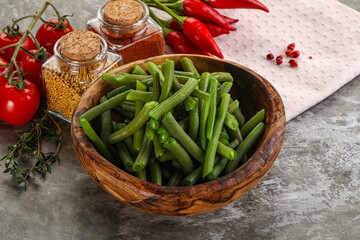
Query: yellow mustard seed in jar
(80, 57)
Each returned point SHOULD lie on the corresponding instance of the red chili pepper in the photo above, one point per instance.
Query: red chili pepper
(195, 31)
(173, 24)
(216, 30)
(213, 29)
(230, 20)
(251, 4)
(176, 40)
(198, 34)
(200, 10)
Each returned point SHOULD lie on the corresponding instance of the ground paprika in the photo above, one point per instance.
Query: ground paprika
(134, 39)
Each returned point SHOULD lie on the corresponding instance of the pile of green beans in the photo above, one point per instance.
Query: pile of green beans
(178, 128)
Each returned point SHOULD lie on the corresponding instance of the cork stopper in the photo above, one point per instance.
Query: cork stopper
(123, 12)
(80, 45)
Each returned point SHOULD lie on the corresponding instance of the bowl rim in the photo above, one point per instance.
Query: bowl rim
(197, 189)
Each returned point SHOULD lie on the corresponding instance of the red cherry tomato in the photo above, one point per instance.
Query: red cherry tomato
(18, 107)
(3, 70)
(6, 40)
(32, 71)
(47, 34)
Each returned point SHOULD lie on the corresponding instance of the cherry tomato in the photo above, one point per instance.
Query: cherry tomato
(32, 70)
(3, 70)
(6, 40)
(18, 107)
(47, 35)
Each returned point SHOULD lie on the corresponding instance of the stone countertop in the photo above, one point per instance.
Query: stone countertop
(311, 192)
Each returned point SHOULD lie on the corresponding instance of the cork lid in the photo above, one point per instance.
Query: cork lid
(123, 12)
(80, 45)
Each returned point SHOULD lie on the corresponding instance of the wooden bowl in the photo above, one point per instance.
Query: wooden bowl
(253, 92)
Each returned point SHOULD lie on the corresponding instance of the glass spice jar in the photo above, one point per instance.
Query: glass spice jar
(70, 71)
(135, 39)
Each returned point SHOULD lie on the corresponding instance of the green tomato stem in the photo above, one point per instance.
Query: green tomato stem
(13, 63)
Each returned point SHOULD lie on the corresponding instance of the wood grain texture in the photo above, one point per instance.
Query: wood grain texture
(253, 92)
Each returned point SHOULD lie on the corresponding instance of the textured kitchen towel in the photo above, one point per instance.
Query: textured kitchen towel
(325, 30)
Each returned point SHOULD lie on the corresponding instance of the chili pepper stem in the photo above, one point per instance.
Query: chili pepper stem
(13, 63)
(166, 30)
(178, 18)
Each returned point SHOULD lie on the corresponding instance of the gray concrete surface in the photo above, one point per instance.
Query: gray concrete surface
(311, 192)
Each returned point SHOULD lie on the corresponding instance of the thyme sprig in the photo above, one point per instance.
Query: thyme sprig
(29, 144)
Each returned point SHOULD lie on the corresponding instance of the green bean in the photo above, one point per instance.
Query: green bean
(161, 129)
(150, 133)
(152, 68)
(235, 134)
(154, 124)
(175, 99)
(134, 125)
(163, 137)
(224, 141)
(244, 146)
(222, 76)
(141, 174)
(128, 141)
(158, 148)
(128, 106)
(175, 178)
(213, 143)
(176, 131)
(122, 79)
(138, 70)
(212, 110)
(105, 123)
(203, 86)
(233, 106)
(119, 90)
(94, 138)
(143, 156)
(224, 88)
(231, 122)
(142, 96)
(226, 151)
(187, 74)
(239, 116)
(156, 86)
(189, 101)
(109, 78)
(182, 79)
(139, 134)
(167, 156)
(224, 135)
(148, 82)
(168, 80)
(155, 172)
(123, 113)
(103, 107)
(201, 95)
(203, 122)
(188, 66)
(124, 156)
(194, 120)
(252, 122)
(193, 177)
(180, 154)
(126, 78)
